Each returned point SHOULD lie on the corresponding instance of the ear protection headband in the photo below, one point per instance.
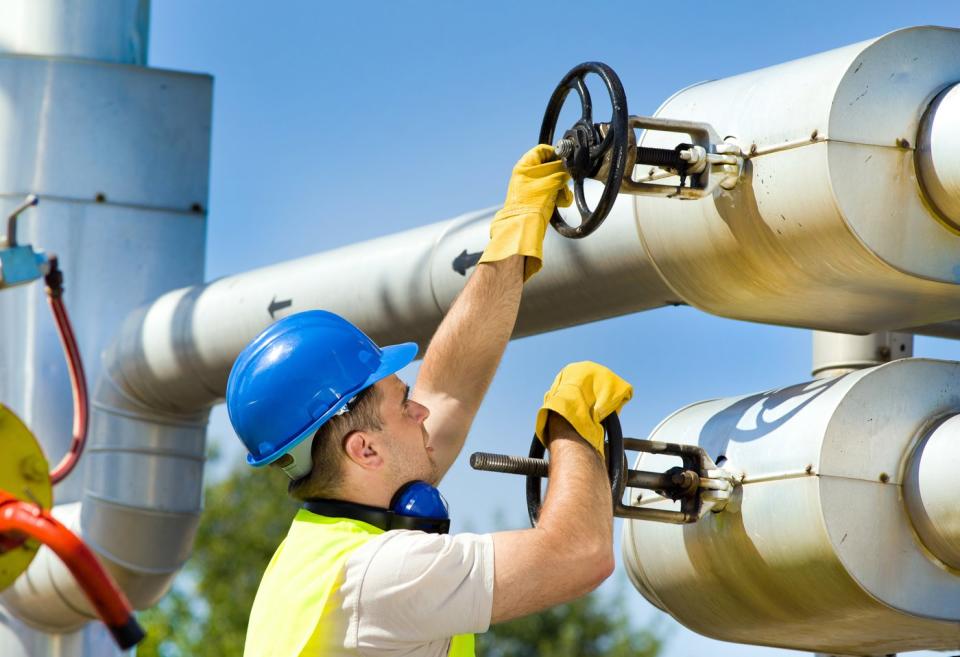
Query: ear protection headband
(416, 505)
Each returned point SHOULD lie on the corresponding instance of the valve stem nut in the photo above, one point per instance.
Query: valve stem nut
(564, 148)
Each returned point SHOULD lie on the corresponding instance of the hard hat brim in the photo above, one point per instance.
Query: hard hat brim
(393, 359)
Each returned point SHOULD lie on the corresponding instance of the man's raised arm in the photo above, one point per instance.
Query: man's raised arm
(467, 346)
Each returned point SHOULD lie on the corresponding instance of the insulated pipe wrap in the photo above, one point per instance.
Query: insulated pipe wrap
(139, 513)
(127, 228)
(828, 227)
(142, 501)
(815, 550)
(175, 355)
(47, 595)
(931, 490)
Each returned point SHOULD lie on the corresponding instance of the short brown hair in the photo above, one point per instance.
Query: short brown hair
(327, 451)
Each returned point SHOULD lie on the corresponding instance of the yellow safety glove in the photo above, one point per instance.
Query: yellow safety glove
(584, 394)
(538, 184)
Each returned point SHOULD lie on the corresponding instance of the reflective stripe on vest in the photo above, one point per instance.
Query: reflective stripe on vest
(290, 613)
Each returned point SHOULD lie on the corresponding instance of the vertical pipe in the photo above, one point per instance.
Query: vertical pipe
(105, 30)
(839, 353)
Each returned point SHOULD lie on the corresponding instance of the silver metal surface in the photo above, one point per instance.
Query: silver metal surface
(120, 156)
(931, 489)
(815, 551)
(828, 228)
(938, 155)
(949, 329)
(715, 164)
(799, 240)
(840, 353)
(139, 241)
(564, 147)
(400, 287)
(106, 30)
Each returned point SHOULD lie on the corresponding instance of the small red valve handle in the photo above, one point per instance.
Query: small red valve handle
(23, 518)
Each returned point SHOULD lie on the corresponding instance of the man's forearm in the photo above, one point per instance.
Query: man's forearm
(573, 537)
(580, 502)
(465, 350)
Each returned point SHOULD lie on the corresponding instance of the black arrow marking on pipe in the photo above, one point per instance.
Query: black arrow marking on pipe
(278, 305)
(465, 261)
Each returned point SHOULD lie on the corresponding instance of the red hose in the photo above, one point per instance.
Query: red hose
(78, 380)
(18, 517)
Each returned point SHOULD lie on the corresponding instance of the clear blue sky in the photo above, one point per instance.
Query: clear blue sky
(338, 123)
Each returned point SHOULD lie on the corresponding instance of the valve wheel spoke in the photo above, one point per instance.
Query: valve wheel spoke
(588, 152)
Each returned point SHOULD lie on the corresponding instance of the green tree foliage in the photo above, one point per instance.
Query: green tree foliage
(246, 516)
(592, 626)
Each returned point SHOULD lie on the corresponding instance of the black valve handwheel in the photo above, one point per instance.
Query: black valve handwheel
(590, 148)
(616, 467)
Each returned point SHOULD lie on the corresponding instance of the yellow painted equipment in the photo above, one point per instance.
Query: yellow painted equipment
(24, 473)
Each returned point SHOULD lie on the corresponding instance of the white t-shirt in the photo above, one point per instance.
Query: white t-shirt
(406, 593)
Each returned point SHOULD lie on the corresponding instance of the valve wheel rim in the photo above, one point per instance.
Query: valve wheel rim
(615, 139)
(615, 462)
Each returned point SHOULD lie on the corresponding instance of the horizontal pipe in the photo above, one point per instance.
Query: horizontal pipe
(931, 489)
(175, 354)
(950, 330)
(141, 503)
(142, 498)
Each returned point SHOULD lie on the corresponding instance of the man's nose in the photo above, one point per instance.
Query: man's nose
(420, 412)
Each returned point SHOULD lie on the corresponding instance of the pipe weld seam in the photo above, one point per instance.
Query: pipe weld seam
(89, 615)
(74, 200)
(143, 509)
(185, 422)
(137, 569)
(170, 453)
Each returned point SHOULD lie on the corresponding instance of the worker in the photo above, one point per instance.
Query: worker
(367, 567)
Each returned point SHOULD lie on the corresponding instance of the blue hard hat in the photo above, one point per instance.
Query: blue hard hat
(295, 376)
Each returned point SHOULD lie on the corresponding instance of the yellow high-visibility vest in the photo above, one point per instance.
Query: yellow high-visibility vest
(290, 612)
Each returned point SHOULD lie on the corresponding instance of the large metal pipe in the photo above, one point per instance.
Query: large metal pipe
(168, 365)
(840, 353)
(801, 241)
(175, 354)
(106, 30)
(816, 550)
(829, 228)
(938, 155)
(126, 228)
(931, 490)
(837, 267)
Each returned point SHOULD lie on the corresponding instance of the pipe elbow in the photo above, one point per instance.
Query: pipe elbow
(139, 511)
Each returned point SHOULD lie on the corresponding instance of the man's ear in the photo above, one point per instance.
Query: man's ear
(360, 448)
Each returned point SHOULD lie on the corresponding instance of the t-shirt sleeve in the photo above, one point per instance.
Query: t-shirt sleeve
(409, 587)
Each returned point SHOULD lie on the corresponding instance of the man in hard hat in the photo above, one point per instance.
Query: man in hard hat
(367, 567)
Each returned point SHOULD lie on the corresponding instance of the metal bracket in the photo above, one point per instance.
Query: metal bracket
(699, 485)
(20, 264)
(707, 162)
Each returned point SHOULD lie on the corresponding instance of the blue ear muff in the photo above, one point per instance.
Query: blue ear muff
(418, 499)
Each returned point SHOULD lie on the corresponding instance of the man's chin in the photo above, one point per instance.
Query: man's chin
(434, 477)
